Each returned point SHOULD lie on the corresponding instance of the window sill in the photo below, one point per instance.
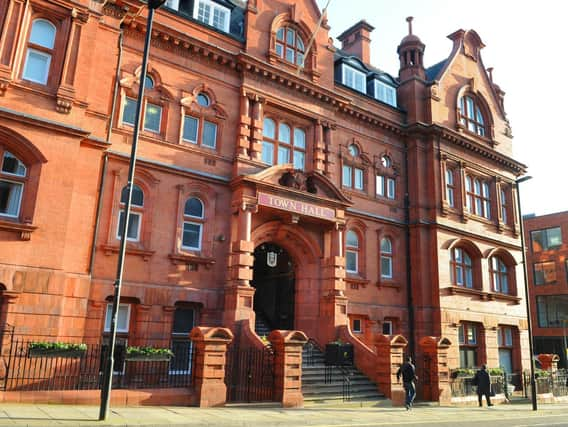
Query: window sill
(485, 296)
(145, 254)
(388, 284)
(25, 230)
(504, 297)
(453, 290)
(182, 258)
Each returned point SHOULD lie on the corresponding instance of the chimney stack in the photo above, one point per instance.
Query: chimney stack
(356, 41)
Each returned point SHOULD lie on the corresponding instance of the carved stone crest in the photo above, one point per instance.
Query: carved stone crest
(298, 180)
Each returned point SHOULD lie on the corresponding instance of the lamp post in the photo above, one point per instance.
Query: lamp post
(107, 375)
(527, 299)
(564, 322)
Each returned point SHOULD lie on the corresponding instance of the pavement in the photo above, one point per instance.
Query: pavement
(338, 415)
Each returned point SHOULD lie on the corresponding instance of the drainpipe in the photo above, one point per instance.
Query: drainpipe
(409, 297)
(102, 179)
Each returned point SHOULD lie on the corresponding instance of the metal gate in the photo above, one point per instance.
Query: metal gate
(249, 374)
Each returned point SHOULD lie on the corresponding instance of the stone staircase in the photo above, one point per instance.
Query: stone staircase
(261, 326)
(317, 391)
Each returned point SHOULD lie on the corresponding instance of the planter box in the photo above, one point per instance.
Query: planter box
(40, 352)
(147, 358)
(339, 354)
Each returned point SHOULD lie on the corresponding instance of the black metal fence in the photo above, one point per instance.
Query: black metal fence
(555, 382)
(462, 386)
(249, 374)
(25, 371)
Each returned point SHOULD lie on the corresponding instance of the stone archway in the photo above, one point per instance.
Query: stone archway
(303, 255)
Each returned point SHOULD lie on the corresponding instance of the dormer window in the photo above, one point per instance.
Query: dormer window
(471, 116)
(385, 93)
(353, 78)
(213, 14)
(290, 46)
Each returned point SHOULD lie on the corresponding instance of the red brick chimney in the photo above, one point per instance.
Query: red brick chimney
(356, 41)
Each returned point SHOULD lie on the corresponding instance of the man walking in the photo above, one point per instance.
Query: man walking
(408, 373)
(483, 383)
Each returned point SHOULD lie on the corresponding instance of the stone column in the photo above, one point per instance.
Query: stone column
(390, 349)
(443, 178)
(288, 366)
(257, 129)
(14, 11)
(463, 192)
(243, 133)
(238, 293)
(210, 362)
(436, 387)
(319, 148)
(329, 158)
(333, 304)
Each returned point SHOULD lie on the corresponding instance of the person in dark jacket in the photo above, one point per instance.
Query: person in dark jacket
(408, 373)
(483, 383)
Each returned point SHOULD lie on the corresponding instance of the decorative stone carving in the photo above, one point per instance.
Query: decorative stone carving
(298, 180)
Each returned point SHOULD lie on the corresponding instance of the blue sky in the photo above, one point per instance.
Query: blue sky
(525, 46)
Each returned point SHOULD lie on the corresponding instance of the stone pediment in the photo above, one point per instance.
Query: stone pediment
(286, 178)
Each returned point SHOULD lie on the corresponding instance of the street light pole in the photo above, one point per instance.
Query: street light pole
(527, 299)
(107, 375)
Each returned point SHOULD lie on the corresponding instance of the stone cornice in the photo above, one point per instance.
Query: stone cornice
(168, 38)
(43, 122)
(469, 144)
(339, 102)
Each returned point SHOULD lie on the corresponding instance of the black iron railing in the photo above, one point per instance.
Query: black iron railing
(25, 371)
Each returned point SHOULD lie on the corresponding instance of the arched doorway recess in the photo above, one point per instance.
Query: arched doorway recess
(274, 281)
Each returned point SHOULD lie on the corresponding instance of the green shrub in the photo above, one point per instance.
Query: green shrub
(148, 351)
(62, 346)
(495, 371)
(463, 372)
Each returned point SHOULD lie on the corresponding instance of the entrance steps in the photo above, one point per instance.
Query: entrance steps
(317, 391)
(261, 326)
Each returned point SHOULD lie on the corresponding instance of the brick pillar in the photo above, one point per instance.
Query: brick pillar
(288, 366)
(390, 349)
(210, 361)
(436, 387)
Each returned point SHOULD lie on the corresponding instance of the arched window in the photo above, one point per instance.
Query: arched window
(353, 177)
(200, 127)
(136, 210)
(386, 258)
(461, 268)
(39, 51)
(499, 275)
(352, 252)
(471, 116)
(193, 218)
(290, 46)
(12, 179)
(283, 144)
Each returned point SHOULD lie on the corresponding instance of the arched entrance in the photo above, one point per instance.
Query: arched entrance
(274, 281)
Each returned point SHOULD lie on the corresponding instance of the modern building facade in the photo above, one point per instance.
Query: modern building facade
(280, 178)
(547, 272)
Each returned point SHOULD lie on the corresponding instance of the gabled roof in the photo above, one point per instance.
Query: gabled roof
(432, 73)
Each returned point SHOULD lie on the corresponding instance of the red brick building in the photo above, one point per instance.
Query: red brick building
(547, 273)
(279, 178)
